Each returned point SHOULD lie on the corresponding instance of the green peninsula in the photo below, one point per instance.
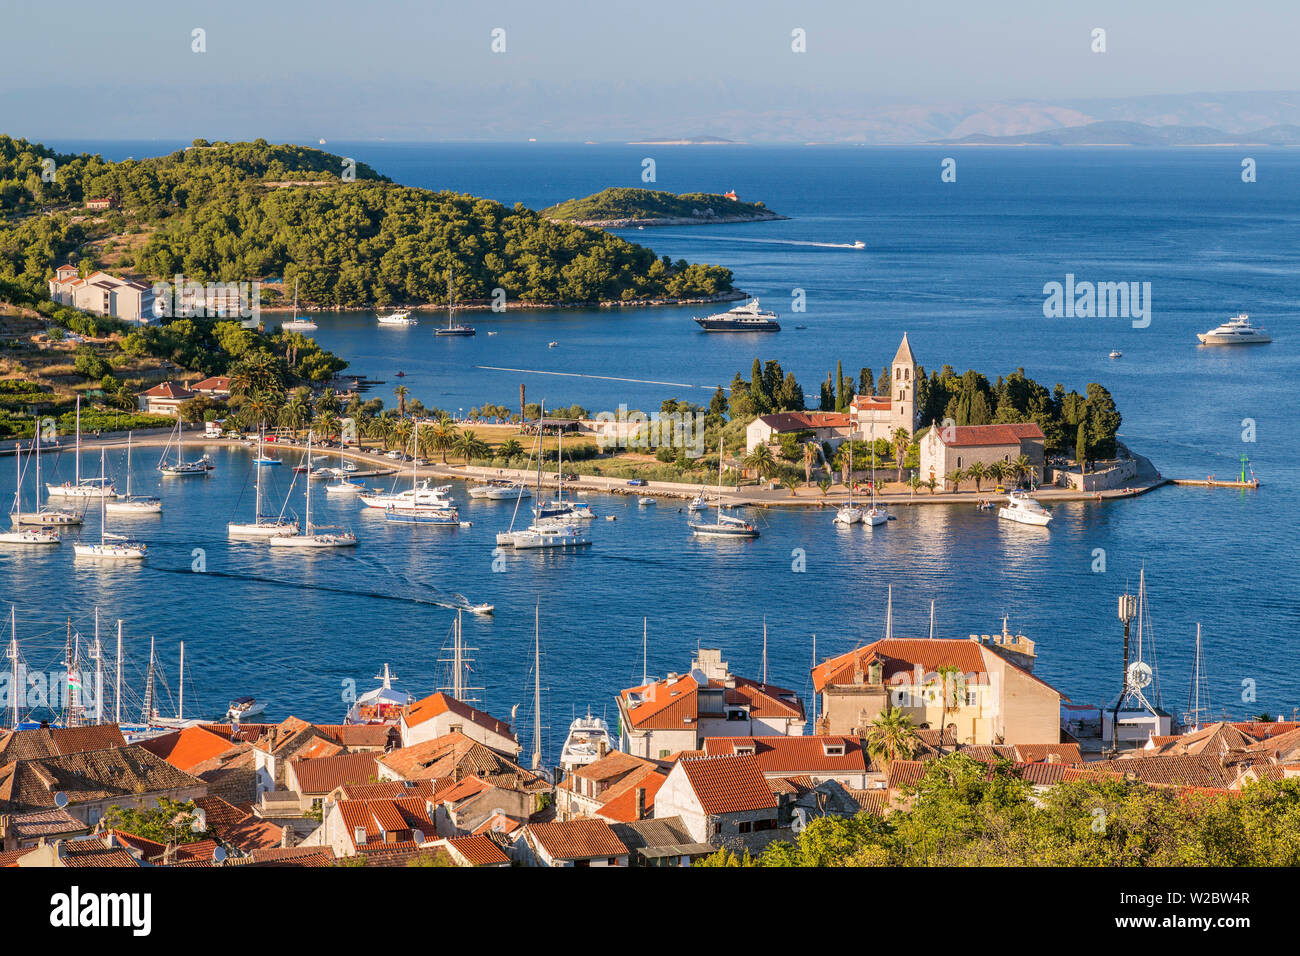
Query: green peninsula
(621, 208)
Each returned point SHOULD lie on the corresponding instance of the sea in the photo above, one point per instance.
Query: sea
(960, 266)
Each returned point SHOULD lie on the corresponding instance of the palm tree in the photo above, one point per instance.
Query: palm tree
(823, 485)
(326, 424)
(901, 440)
(1022, 467)
(998, 471)
(471, 446)
(401, 392)
(951, 694)
(914, 482)
(328, 401)
(760, 459)
(792, 483)
(442, 437)
(976, 472)
(295, 414)
(891, 735)
(931, 483)
(955, 477)
(509, 449)
(811, 451)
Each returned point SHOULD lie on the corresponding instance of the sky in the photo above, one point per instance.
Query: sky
(605, 70)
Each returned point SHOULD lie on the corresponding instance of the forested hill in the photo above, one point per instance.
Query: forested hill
(654, 207)
(242, 211)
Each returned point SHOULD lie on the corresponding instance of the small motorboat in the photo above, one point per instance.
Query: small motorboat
(551, 345)
(242, 708)
(698, 503)
(1116, 353)
(265, 462)
(644, 501)
(1023, 509)
(481, 609)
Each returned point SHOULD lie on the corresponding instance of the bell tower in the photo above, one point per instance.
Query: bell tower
(902, 390)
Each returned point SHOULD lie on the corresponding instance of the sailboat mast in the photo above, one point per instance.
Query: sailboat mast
(18, 481)
(36, 440)
(307, 482)
(257, 482)
(645, 660)
(814, 690)
(97, 655)
(764, 652)
(14, 677)
(180, 703)
(147, 709)
(117, 678)
(102, 513)
(537, 685)
(889, 614)
(128, 465)
(1004, 623)
(77, 454)
(457, 689)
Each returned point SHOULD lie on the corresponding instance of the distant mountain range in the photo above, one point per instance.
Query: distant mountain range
(1116, 133)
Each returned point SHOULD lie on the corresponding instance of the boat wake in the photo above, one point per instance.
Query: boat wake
(775, 242)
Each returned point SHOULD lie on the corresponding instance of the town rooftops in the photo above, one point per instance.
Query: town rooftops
(454, 756)
(168, 390)
(965, 436)
(613, 766)
(577, 839)
(673, 703)
(621, 801)
(478, 851)
(440, 703)
(786, 755)
(655, 839)
(899, 659)
(215, 383)
(385, 820)
(873, 403)
(188, 748)
(57, 741)
(733, 784)
(320, 775)
(89, 776)
(799, 421)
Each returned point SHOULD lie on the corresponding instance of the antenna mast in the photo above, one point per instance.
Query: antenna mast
(537, 685)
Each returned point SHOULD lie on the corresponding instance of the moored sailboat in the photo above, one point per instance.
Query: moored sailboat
(311, 537)
(130, 504)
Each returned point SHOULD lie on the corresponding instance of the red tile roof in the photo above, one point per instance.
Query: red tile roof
(901, 656)
(799, 421)
(784, 756)
(620, 799)
(577, 839)
(320, 775)
(187, 748)
(167, 390)
(964, 436)
(905, 773)
(441, 703)
(728, 784)
(479, 851)
(671, 704)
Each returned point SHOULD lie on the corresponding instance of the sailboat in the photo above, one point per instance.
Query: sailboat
(725, 525)
(182, 468)
(558, 510)
(875, 515)
(342, 485)
(441, 512)
(849, 513)
(296, 324)
(23, 535)
(180, 720)
(311, 538)
(42, 517)
(553, 526)
(262, 526)
(133, 504)
(452, 328)
(111, 546)
(89, 488)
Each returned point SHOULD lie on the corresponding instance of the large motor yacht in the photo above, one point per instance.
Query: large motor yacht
(743, 318)
(1236, 331)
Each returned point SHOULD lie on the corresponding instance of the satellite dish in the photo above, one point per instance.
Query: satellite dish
(1139, 674)
(60, 799)
(219, 855)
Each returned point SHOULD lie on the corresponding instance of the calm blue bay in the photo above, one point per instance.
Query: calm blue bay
(960, 267)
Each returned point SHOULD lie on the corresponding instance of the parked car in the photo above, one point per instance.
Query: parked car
(570, 477)
(395, 455)
(637, 482)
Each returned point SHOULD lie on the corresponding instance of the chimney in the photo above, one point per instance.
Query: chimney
(602, 748)
(1053, 757)
(286, 836)
(640, 803)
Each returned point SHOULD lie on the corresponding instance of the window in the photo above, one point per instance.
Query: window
(717, 829)
(972, 697)
(764, 824)
(664, 754)
(743, 826)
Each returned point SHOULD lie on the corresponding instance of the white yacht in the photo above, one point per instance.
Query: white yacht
(507, 492)
(262, 526)
(21, 535)
(41, 517)
(850, 513)
(80, 487)
(589, 740)
(30, 536)
(1022, 508)
(698, 503)
(743, 318)
(422, 495)
(182, 468)
(1236, 331)
(311, 537)
(383, 705)
(397, 318)
(111, 546)
(545, 534)
(724, 525)
(296, 324)
(130, 504)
